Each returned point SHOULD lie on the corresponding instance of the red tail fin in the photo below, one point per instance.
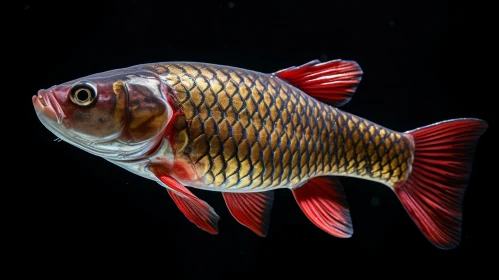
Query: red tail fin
(433, 194)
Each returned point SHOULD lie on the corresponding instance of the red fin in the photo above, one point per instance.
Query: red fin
(333, 82)
(433, 193)
(324, 203)
(195, 209)
(251, 209)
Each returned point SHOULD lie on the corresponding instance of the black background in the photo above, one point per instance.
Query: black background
(420, 63)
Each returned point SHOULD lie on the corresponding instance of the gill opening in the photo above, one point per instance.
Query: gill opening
(166, 133)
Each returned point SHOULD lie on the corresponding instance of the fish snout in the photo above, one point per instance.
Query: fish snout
(45, 107)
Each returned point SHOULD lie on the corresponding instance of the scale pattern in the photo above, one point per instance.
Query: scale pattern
(251, 131)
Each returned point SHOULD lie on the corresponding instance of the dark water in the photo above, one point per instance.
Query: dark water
(419, 61)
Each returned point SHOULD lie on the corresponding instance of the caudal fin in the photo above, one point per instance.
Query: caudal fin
(433, 193)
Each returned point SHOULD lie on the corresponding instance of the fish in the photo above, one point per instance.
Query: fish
(246, 134)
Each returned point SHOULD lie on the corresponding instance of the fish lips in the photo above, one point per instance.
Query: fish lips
(46, 107)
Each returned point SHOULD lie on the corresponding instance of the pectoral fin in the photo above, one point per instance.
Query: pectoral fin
(195, 209)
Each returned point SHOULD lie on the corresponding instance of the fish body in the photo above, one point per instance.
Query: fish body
(246, 133)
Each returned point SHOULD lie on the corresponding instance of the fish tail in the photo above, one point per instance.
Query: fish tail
(433, 193)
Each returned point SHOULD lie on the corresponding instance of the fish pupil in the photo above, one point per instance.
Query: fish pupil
(82, 95)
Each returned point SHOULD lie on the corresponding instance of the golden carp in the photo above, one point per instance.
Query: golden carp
(245, 134)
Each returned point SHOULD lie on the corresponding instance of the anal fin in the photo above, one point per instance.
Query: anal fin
(323, 201)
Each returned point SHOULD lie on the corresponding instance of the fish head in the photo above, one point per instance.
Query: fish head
(118, 115)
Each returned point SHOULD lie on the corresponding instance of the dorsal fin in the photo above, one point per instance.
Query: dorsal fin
(333, 82)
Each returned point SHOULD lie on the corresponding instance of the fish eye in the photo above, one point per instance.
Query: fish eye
(83, 93)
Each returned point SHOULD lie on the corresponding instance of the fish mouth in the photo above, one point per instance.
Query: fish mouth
(46, 107)
(52, 117)
(50, 113)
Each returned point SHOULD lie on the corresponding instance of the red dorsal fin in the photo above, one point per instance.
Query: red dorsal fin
(433, 193)
(194, 209)
(323, 201)
(251, 209)
(333, 82)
